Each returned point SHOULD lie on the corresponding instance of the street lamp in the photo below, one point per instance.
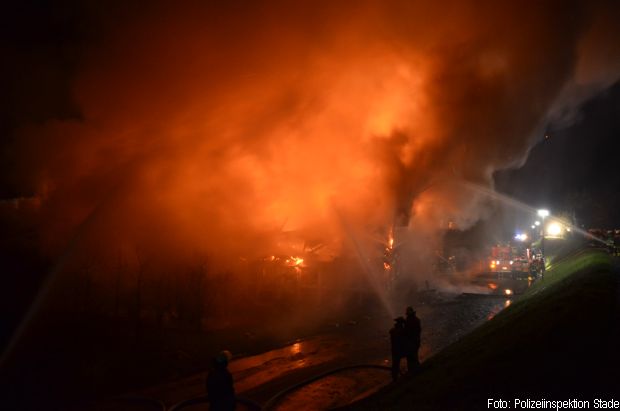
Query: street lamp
(542, 213)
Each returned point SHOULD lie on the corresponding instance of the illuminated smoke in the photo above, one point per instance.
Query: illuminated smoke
(215, 128)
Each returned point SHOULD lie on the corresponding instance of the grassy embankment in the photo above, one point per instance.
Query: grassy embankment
(559, 340)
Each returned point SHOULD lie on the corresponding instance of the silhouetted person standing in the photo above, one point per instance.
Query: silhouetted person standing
(413, 332)
(398, 343)
(220, 387)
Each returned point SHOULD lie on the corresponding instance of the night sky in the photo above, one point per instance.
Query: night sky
(575, 169)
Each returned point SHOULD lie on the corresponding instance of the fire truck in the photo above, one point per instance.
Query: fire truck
(506, 270)
(507, 259)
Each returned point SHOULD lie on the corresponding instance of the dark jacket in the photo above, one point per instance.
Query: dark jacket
(220, 388)
(398, 341)
(413, 332)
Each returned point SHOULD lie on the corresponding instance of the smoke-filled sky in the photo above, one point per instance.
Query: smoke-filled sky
(213, 126)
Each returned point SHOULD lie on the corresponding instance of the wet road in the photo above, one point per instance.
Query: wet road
(445, 318)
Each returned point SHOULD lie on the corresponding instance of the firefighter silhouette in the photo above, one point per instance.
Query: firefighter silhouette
(398, 345)
(220, 388)
(413, 332)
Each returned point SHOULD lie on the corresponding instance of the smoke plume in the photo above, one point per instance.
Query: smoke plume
(216, 126)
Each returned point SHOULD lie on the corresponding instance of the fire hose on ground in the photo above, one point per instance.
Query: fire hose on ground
(275, 399)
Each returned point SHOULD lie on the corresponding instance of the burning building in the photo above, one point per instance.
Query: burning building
(212, 129)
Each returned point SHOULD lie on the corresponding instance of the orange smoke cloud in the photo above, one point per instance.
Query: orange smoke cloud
(214, 128)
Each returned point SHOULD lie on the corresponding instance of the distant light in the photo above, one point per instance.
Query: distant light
(543, 213)
(568, 229)
(554, 229)
(508, 291)
(533, 227)
(536, 222)
(296, 348)
(521, 237)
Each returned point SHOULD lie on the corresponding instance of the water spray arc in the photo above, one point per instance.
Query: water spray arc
(364, 260)
(519, 205)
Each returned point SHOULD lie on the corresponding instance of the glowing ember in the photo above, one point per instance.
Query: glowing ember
(295, 261)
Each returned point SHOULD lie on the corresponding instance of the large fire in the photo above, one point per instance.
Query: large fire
(216, 128)
(273, 164)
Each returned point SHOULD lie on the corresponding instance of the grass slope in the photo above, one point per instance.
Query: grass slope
(557, 341)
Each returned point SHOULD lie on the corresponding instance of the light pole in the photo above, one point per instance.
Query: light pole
(542, 213)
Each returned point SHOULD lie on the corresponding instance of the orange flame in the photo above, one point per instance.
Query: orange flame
(391, 240)
(294, 261)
